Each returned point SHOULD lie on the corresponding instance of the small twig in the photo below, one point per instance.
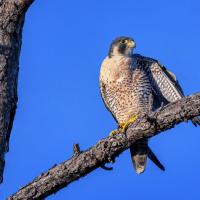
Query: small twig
(76, 149)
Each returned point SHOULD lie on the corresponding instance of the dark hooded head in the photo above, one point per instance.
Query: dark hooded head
(122, 46)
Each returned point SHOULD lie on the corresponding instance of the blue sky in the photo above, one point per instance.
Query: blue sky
(64, 43)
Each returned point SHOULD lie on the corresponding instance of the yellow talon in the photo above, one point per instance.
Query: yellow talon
(124, 126)
(114, 132)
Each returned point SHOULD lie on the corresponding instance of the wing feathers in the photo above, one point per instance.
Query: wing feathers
(165, 83)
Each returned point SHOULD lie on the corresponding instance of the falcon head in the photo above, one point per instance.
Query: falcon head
(122, 46)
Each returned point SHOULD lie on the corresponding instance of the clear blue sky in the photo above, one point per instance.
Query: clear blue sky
(64, 43)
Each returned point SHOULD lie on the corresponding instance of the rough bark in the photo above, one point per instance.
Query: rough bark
(106, 150)
(11, 22)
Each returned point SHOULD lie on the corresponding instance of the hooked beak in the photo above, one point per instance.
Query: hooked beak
(131, 44)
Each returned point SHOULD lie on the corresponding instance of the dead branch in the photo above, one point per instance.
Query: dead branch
(109, 148)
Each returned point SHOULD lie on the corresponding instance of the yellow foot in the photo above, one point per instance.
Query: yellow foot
(124, 126)
(114, 132)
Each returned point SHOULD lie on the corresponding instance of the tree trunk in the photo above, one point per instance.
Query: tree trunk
(12, 14)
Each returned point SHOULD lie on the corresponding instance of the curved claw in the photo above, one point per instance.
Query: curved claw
(114, 132)
(196, 121)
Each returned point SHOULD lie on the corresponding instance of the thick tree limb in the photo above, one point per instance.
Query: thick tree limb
(82, 163)
(11, 22)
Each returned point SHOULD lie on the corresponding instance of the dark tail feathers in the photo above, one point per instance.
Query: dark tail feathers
(155, 160)
(139, 153)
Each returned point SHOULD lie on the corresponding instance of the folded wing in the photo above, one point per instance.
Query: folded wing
(164, 82)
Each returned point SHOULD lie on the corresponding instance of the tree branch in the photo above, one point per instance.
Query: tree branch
(82, 163)
(11, 23)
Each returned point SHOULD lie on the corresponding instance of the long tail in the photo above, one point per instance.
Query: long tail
(139, 153)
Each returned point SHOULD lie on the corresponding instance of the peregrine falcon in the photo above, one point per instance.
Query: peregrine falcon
(132, 85)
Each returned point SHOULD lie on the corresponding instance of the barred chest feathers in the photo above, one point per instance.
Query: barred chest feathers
(127, 87)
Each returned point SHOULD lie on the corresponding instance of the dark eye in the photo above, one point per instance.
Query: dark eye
(123, 41)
